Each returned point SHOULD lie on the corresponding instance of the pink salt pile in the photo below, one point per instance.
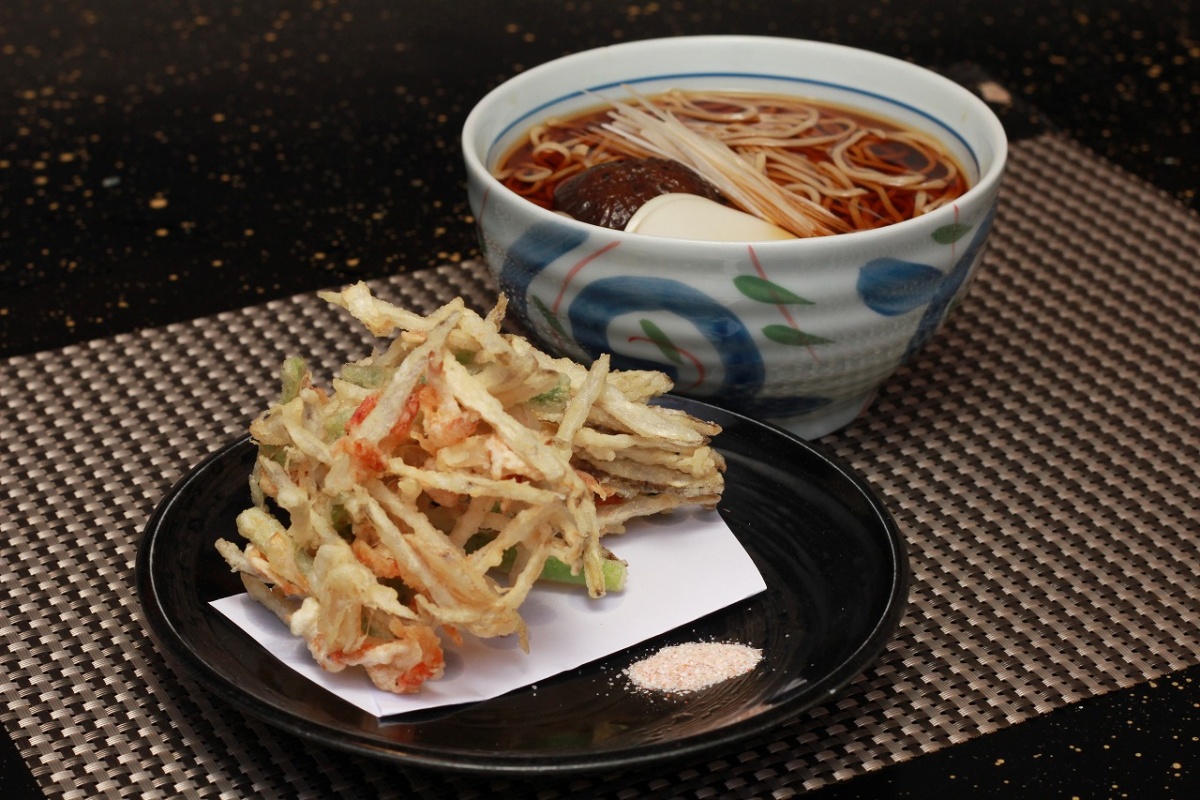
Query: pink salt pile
(682, 668)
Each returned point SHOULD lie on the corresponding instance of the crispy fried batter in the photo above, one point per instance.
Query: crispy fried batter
(384, 508)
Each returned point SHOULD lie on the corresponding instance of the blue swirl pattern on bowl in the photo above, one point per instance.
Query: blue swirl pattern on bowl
(799, 332)
(889, 287)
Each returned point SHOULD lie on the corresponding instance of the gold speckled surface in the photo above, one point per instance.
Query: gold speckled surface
(168, 160)
(193, 156)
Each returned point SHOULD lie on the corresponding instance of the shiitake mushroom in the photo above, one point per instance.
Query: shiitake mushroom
(608, 194)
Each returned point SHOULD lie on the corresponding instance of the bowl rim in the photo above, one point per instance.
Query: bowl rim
(986, 184)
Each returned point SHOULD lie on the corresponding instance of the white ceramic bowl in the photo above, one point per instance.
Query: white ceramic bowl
(800, 332)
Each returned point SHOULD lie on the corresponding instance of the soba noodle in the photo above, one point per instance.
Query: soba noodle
(812, 169)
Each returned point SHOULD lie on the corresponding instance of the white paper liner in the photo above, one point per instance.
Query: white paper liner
(682, 566)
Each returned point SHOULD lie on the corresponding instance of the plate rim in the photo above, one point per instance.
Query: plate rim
(178, 651)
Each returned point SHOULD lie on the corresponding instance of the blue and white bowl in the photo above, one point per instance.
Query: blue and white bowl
(799, 332)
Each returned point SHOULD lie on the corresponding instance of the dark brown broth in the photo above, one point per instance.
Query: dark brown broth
(880, 206)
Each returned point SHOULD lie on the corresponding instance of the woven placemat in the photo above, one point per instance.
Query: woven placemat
(1041, 457)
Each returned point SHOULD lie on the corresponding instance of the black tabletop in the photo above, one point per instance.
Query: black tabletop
(177, 159)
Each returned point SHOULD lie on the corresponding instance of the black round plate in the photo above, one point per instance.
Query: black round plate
(831, 555)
